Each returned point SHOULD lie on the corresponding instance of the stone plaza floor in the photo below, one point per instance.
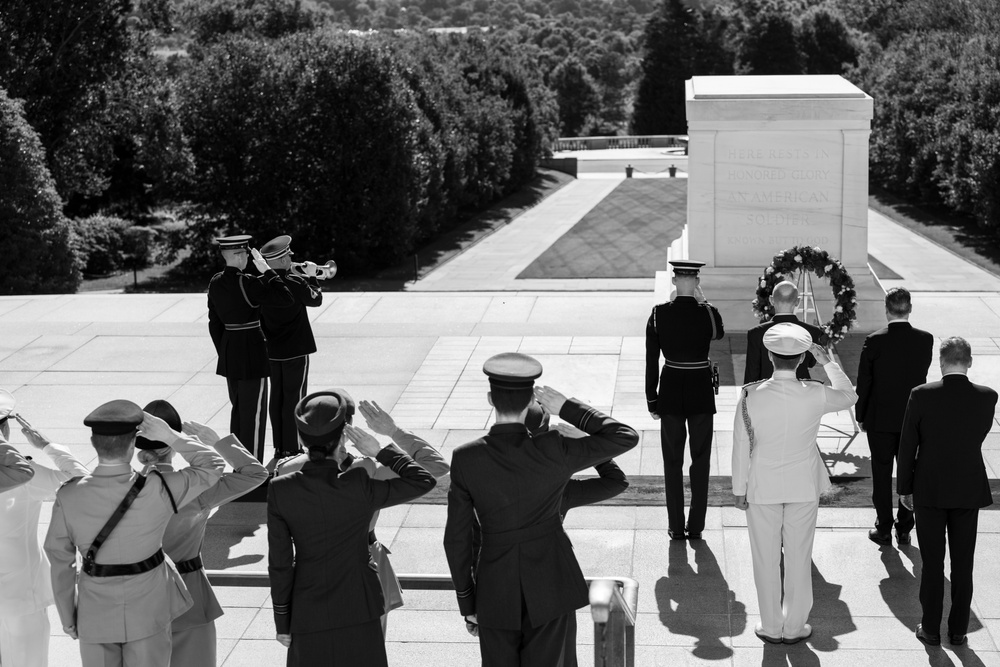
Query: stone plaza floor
(419, 354)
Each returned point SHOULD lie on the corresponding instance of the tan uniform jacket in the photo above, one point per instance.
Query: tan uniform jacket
(122, 609)
(25, 584)
(185, 532)
(14, 468)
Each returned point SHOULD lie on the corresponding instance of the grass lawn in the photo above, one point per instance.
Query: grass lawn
(625, 236)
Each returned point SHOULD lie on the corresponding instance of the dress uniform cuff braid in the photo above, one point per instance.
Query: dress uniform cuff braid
(585, 419)
(282, 609)
(466, 593)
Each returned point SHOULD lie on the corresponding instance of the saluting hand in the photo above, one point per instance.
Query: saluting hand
(205, 434)
(550, 399)
(154, 428)
(259, 261)
(363, 441)
(34, 438)
(378, 419)
(820, 353)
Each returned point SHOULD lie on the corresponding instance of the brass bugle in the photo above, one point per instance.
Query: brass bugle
(323, 271)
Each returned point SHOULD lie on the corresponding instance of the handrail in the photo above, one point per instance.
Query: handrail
(614, 603)
(627, 141)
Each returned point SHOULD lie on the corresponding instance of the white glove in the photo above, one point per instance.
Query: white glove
(259, 261)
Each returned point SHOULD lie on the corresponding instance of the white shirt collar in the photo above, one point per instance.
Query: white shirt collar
(900, 319)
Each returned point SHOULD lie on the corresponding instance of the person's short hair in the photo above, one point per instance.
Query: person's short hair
(510, 401)
(112, 446)
(897, 301)
(956, 351)
(785, 293)
(786, 362)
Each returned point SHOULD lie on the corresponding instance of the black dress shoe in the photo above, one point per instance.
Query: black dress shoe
(926, 637)
(882, 539)
(902, 539)
(694, 536)
(759, 631)
(677, 534)
(807, 632)
(957, 640)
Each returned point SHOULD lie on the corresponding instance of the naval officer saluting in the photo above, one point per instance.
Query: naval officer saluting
(234, 301)
(682, 395)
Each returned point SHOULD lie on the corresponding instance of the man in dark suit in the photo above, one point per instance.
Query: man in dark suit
(527, 582)
(327, 597)
(942, 478)
(894, 360)
(290, 341)
(234, 301)
(784, 298)
(682, 395)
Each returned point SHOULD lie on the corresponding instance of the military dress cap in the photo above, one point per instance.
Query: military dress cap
(512, 370)
(7, 404)
(115, 418)
(319, 414)
(234, 242)
(166, 412)
(277, 247)
(685, 267)
(787, 339)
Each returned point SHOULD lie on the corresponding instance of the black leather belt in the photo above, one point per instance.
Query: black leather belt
(243, 327)
(124, 569)
(522, 535)
(190, 565)
(687, 365)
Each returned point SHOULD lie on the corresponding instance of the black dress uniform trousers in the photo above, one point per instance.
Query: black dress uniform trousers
(353, 646)
(542, 646)
(961, 525)
(248, 418)
(289, 385)
(884, 448)
(674, 429)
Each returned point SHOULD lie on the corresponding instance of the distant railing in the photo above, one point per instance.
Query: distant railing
(604, 143)
(613, 605)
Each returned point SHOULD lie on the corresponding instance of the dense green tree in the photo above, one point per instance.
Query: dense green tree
(577, 96)
(208, 21)
(38, 252)
(827, 45)
(768, 40)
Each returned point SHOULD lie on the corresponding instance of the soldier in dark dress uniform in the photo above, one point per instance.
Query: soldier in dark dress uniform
(683, 330)
(527, 583)
(327, 597)
(289, 342)
(234, 301)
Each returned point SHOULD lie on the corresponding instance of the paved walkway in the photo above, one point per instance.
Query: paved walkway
(419, 354)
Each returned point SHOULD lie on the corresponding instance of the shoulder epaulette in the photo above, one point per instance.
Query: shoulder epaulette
(72, 480)
(811, 380)
(750, 384)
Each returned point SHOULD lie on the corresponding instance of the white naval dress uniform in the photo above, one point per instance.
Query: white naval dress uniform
(25, 585)
(782, 479)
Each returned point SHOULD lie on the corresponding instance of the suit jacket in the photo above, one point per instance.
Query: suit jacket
(783, 414)
(286, 327)
(893, 361)
(25, 584)
(185, 532)
(758, 366)
(514, 484)
(329, 580)
(609, 483)
(235, 298)
(683, 330)
(123, 609)
(940, 447)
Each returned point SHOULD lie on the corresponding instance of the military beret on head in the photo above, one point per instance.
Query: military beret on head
(233, 242)
(512, 370)
(277, 247)
(7, 404)
(115, 418)
(166, 412)
(349, 406)
(787, 339)
(686, 267)
(319, 414)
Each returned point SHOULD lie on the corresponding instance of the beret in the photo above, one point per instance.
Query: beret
(114, 418)
(787, 339)
(277, 247)
(319, 414)
(166, 412)
(512, 370)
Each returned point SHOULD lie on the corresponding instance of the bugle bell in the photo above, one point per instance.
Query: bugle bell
(323, 271)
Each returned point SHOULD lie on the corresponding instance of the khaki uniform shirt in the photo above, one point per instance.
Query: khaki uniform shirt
(122, 609)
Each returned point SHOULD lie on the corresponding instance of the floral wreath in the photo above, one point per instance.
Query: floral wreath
(805, 258)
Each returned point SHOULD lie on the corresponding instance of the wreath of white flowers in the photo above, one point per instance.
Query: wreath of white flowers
(818, 261)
